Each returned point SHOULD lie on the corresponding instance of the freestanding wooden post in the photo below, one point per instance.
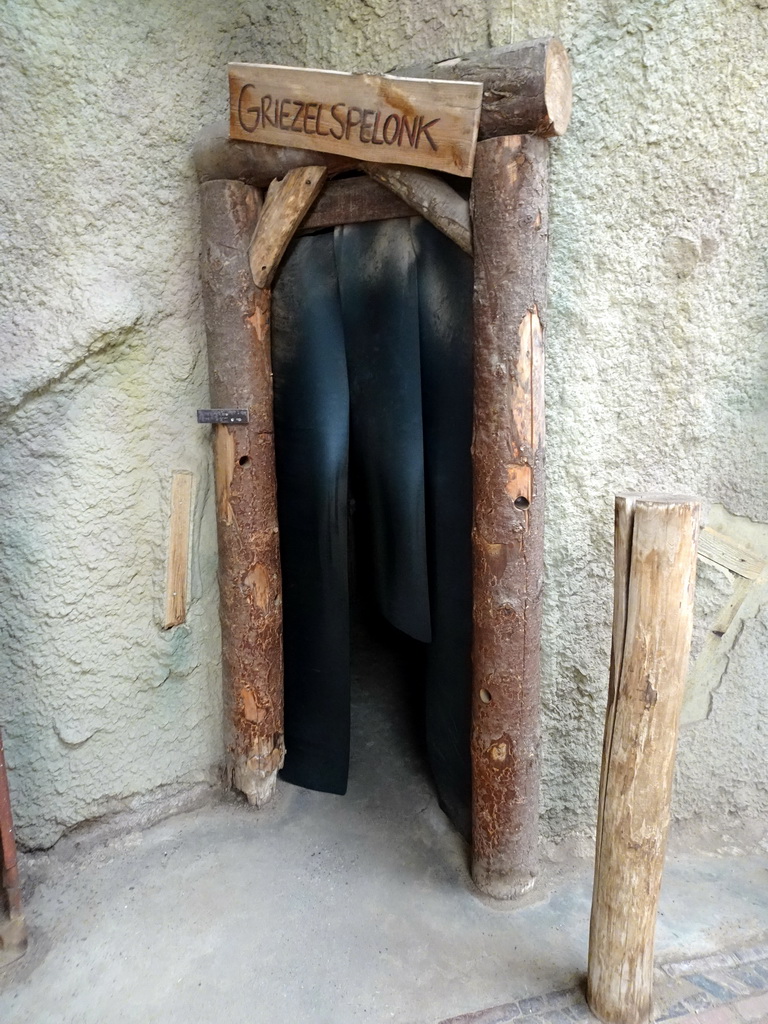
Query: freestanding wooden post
(240, 371)
(509, 208)
(654, 577)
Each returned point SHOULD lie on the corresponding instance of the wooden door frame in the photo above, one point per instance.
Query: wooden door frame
(527, 99)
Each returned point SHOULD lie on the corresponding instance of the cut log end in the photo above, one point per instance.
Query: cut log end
(558, 90)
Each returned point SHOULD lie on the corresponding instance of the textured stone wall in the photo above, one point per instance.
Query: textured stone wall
(656, 376)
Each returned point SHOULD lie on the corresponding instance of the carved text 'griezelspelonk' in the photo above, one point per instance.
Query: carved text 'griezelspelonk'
(392, 120)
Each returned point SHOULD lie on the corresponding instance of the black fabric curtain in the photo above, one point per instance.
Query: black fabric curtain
(371, 349)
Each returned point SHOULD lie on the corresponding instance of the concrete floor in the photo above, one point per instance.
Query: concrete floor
(326, 910)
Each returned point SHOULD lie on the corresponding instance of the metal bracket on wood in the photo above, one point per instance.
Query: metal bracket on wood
(231, 417)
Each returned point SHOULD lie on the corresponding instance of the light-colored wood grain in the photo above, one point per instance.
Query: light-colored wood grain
(430, 196)
(527, 395)
(735, 545)
(656, 570)
(13, 929)
(370, 117)
(285, 207)
(178, 550)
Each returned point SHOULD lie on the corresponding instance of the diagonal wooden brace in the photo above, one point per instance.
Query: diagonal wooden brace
(285, 207)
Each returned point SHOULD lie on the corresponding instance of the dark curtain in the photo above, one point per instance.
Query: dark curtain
(371, 349)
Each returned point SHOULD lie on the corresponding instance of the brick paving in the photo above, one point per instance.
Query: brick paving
(726, 988)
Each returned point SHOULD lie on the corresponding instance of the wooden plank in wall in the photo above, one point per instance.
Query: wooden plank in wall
(377, 118)
(178, 550)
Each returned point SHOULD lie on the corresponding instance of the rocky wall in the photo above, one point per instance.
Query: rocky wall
(656, 369)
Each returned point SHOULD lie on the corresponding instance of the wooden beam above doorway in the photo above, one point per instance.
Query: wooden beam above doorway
(526, 91)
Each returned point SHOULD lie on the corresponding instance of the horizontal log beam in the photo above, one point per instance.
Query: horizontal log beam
(353, 201)
(217, 157)
(526, 91)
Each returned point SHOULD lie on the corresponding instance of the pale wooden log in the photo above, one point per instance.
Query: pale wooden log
(13, 929)
(653, 618)
(526, 86)
(286, 205)
(381, 118)
(240, 372)
(178, 551)
(509, 211)
(353, 201)
(430, 196)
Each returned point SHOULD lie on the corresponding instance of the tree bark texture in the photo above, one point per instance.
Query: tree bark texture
(526, 86)
(654, 577)
(509, 208)
(237, 327)
(526, 90)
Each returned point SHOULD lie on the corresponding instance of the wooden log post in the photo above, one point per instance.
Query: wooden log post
(509, 210)
(526, 89)
(13, 929)
(655, 572)
(285, 207)
(237, 328)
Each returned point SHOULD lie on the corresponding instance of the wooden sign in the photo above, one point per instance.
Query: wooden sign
(367, 117)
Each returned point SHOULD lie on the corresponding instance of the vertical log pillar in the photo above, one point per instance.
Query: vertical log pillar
(655, 573)
(237, 327)
(13, 930)
(509, 209)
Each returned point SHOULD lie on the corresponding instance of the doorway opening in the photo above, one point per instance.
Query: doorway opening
(372, 363)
